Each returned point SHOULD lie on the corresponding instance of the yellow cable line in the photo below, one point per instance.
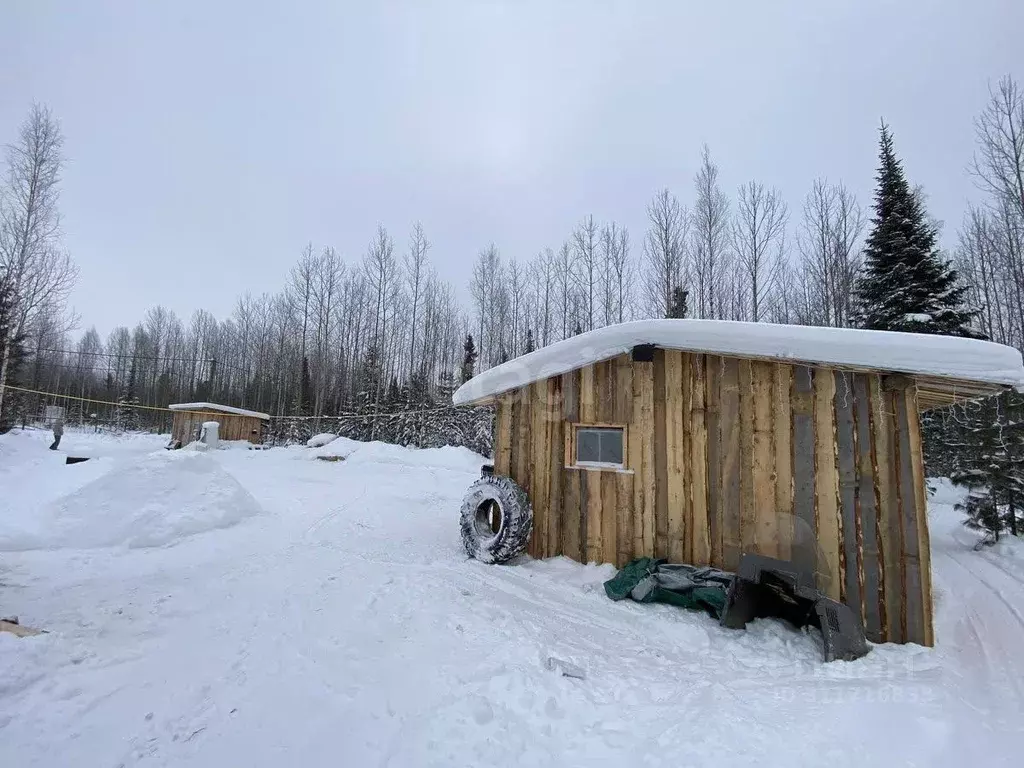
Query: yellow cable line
(207, 413)
(101, 402)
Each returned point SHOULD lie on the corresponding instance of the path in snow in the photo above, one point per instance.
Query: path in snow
(343, 625)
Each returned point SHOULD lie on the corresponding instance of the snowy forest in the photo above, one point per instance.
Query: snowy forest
(382, 333)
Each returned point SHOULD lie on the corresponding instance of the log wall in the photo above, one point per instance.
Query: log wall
(726, 456)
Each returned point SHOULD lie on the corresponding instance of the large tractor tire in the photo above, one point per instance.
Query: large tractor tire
(496, 520)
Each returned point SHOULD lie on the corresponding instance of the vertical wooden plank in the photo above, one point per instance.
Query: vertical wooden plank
(540, 466)
(661, 540)
(765, 515)
(921, 500)
(624, 518)
(525, 453)
(913, 606)
(804, 541)
(593, 522)
(674, 410)
(846, 456)
(588, 394)
(699, 545)
(729, 441)
(503, 434)
(609, 517)
(571, 396)
(883, 415)
(871, 576)
(604, 392)
(516, 430)
(782, 431)
(682, 452)
(623, 411)
(641, 452)
(826, 483)
(572, 535)
(712, 422)
(748, 528)
(555, 431)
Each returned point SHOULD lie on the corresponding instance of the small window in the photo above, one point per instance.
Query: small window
(599, 446)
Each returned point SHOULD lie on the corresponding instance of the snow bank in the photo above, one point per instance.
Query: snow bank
(912, 353)
(449, 458)
(318, 441)
(338, 447)
(150, 502)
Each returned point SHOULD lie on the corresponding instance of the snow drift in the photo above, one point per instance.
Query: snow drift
(336, 447)
(318, 441)
(151, 502)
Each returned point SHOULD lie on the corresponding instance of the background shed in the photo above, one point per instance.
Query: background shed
(726, 454)
(235, 423)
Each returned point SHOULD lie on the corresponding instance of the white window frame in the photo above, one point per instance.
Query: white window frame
(571, 460)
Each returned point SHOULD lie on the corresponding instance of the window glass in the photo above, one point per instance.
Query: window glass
(599, 445)
(611, 446)
(588, 445)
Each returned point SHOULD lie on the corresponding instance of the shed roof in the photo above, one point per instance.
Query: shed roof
(221, 408)
(947, 368)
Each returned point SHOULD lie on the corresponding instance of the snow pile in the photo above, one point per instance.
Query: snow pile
(337, 448)
(318, 441)
(449, 458)
(147, 503)
(912, 353)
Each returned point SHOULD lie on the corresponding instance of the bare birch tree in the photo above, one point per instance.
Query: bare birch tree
(616, 273)
(998, 164)
(709, 242)
(415, 276)
(828, 238)
(664, 254)
(758, 237)
(588, 269)
(37, 271)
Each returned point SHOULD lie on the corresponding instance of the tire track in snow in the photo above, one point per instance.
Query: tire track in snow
(990, 646)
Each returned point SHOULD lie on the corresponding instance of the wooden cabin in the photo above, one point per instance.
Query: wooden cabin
(235, 423)
(699, 441)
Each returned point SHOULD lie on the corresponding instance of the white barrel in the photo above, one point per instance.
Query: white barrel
(209, 435)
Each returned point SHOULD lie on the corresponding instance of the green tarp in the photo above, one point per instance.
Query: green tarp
(647, 580)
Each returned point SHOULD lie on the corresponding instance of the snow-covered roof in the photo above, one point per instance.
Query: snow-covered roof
(939, 357)
(216, 407)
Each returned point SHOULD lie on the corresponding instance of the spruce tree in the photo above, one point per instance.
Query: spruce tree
(393, 398)
(905, 284)
(678, 308)
(528, 347)
(991, 463)
(369, 382)
(15, 345)
(304, 398)
(468, 359)
(418, 389)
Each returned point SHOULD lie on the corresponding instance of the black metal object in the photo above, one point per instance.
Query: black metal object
(487, 470)
(75, 459)
(767, 587)
(643, 353)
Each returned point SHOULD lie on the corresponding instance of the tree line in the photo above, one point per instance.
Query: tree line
(383, 332)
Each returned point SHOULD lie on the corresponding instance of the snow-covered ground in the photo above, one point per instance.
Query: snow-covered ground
(260, 608)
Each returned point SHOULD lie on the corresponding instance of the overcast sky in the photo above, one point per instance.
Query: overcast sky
(207, 142)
